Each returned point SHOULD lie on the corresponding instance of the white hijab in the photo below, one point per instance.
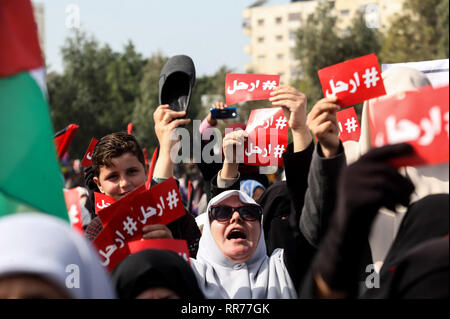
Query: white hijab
(261, 277)
(43, 245)
(427, 180)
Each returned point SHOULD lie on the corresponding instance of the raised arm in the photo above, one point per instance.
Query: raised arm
(297, 157)
(228, 177)
(166, 121)
(328, 161)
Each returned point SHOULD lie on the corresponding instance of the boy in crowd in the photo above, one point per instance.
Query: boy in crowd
(118, 168)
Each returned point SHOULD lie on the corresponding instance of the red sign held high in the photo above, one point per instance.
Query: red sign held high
(268, 136)
(419, 118)
(249, 87)
(353, 81)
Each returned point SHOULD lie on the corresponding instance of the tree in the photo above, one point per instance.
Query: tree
(419, 33)
(147, 101)
(97, 89)
(443, 45)
(319, 45)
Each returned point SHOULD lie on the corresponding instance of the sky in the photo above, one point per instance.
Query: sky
(209, 31)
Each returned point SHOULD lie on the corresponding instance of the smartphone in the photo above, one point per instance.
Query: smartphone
(226, 113)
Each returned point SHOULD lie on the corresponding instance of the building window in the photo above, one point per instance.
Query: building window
(246, 24)
(278, 20)
(260, 22)
(292, 35)
(345, 32)
(297, 16)
(279, 38)
(261, 40)
(345, 12)
(280, 56)
(261, 58)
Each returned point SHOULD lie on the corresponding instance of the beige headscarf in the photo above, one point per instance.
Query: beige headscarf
(427, 179)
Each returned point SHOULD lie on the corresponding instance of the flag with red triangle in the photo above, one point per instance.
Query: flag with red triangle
(63, 139)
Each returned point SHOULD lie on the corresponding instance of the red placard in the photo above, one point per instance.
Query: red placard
(87, 159)
(349, 128)
(268, 136)
(112, 250)
(102, 201)
(107, 213)
(176, 245)
(420, 118)
(353, 81)
(159, 205)
(72, 197)
(249, 87)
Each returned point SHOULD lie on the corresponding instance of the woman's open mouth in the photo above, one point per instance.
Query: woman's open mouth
(236, 234)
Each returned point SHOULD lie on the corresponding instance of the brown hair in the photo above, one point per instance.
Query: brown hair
(114, 145)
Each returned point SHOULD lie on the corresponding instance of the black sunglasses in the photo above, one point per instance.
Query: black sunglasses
(223, 213)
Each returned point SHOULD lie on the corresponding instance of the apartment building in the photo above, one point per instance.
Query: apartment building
(272, 30)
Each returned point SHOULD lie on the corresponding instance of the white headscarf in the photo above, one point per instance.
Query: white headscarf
(427, 180)
(43, 245)
(261, 277)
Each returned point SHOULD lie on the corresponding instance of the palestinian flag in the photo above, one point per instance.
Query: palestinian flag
(30, 178)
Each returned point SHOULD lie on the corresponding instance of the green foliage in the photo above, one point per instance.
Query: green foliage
(97, 89)
(442, 11)
(420, 33)
(102, 90)
(147, 101)
(319, 45)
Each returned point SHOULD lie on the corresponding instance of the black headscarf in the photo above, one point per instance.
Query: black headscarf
(417, 264)
(277, 208)
(155, 268)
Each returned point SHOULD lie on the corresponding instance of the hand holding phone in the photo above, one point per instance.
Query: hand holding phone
(224, 113)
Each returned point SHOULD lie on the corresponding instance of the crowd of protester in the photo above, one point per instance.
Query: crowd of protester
(311, 230)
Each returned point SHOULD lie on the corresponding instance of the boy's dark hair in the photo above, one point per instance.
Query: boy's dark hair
(114, 145)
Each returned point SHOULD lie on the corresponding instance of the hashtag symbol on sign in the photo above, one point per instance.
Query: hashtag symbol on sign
(269, 85)
(278, 151)
(280, 123)
(129, 226)
(371, 77)
(351, 125)
(172, 198)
